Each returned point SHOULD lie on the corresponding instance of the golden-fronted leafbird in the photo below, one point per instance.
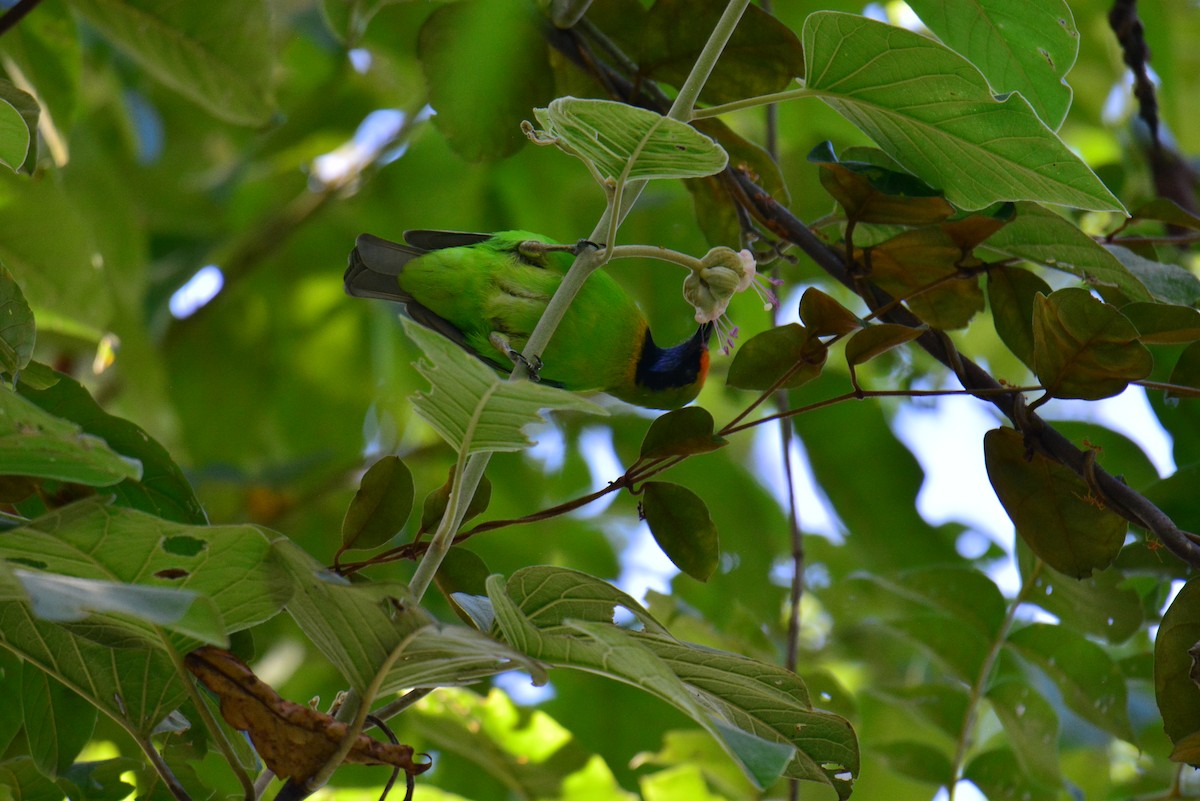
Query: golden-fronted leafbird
(486, 292)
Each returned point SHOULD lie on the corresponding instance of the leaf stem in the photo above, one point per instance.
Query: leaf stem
(683, 109)
(655, 252)
(752, 102)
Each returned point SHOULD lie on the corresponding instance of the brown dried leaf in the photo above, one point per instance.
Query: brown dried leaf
(293, 740)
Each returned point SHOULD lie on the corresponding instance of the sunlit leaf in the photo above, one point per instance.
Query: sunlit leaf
(381, 506)
(1046, 238)
(1019, 45)
(213, 54)
(480, 111)
(38, 444)
(621, 140)
(1051, 507)
(1084, 348)
(764, 358)
(681, 432)
(1011, 293)
(682, 527)
(473, 408)
(934, 113)
(1091, 684)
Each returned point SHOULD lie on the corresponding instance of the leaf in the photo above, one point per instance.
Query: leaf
(535, 610)
(471, 407)
(762, 55)
(480, 111)
(1101, 605)
(214, 54)
(65, 720)
(1186, 372)
(1168, 283)
(715, 215)
(997, 774)
(682, 527)
(1031, 726)
(434, 506)
(824, 316)
(622, 141)
(934, 113)
(917, 761)
(765, 357)
(1022, 46)
(1163, 323)
(18, 128)
(1039, 235)
(293, 740)
(1166, 210)
(875, 340)
(37, 444)
(873, 194)
(162, 489)
(682, 432)
(357, 626)
(1085, 348)
(67, 599)
(24, 782)
(462, 578)
(17, 330)
(1011, 293)
(1051, 507)
(380, 507)
(1174, 689)
(1091, 684)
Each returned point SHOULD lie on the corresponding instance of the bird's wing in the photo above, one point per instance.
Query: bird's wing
(438, 240)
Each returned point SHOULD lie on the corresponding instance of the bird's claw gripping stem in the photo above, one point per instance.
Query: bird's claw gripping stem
(501, 343)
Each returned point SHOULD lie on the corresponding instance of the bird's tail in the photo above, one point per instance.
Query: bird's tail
(374, 265)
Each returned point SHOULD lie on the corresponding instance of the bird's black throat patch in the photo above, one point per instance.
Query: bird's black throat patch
(674, 367)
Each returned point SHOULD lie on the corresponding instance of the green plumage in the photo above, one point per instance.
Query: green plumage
(470, 287)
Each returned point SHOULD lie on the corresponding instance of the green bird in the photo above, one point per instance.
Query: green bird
(486, 292)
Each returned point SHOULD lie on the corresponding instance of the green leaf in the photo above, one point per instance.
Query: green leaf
(480, 111)
(434, 506)
(18, 129)
(217, 54)
(37, 444)
(942, 704)
(24, 782)
(1032, 728)
(1091, 684)
(824, 316)
(1011, 293)
(716, 216)
(1186, 372)
(1085, 348)
(762, 55)
(1025, 46)
(873, 194)
(917, 761)
(1051, 507)
(471, 407)
(875, 340)
(626, 142)
(17, 330)
(1101, 605)
(997, 774)
(682, 432)
(1163, 323)
(358, 626)
(162, 489)
(1174, 688)
(682, 527)
(934, 113)
(764, 358)
(64, 721)
(1039, 235)
(46, 49)
(381, 506)
(1168, 283)
(1166, 210)
(462, 575)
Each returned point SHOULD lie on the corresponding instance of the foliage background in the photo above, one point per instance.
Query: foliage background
(275, 395)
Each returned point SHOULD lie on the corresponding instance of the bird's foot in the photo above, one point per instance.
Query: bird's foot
(533, 249)
(532, 366)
